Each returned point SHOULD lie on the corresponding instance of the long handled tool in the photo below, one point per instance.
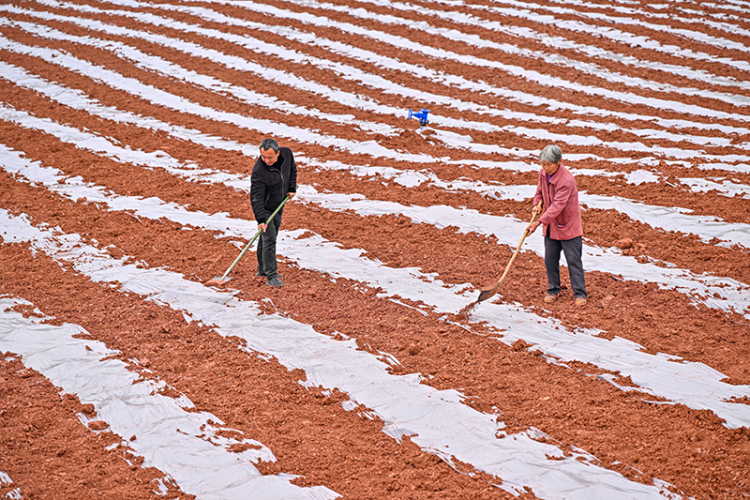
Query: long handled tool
(486, 293)
(223, 279)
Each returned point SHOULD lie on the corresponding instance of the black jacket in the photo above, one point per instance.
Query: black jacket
(269, 185)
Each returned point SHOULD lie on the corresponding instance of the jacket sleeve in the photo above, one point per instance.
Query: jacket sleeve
(292, 175)
(538, 194)
(562, 196)
(258, 195)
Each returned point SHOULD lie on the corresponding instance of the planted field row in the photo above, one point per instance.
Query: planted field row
(127, 134)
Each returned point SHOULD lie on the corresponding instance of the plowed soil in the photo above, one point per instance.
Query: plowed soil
(47, 451)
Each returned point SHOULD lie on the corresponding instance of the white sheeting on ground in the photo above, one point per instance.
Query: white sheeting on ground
(611, 28)
(406, 406)
(673, 219)
(404, 43)
(188, 446)
(480, 223)
(462, 18)
(349, 72)
(6, 481)
(668, 218)
(77, 99)
(159, 97)
(693, 384)
(720, 293)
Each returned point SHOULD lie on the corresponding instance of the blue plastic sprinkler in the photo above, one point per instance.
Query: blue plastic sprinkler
(421, 116)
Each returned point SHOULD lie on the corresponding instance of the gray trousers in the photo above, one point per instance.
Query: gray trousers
(267, 248)
(573, 250)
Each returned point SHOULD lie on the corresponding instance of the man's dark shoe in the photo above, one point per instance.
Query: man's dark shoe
(263, 275)
(275, 282)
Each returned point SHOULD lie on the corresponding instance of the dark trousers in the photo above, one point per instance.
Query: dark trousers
(267, 248)
(573, 250)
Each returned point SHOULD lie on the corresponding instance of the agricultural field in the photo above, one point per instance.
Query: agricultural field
(128, 132)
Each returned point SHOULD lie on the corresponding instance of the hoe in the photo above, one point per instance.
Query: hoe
(488, 292)
(220, 280)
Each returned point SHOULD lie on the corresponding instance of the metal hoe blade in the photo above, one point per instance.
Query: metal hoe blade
(219, 280)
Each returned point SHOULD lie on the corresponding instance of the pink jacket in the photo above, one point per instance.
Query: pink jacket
(562, 219)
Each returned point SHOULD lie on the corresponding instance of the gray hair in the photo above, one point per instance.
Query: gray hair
(551, 153)
(270, 144)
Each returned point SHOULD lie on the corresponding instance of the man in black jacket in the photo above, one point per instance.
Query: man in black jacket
(274, 178)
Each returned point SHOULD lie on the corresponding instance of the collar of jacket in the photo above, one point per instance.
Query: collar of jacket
(555, 177)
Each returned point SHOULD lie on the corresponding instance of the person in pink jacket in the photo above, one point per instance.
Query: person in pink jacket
(561, 224)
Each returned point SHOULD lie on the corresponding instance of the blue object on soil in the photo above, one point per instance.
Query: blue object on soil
(421, 116)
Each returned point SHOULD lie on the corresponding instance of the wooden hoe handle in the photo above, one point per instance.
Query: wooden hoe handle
(486, 293)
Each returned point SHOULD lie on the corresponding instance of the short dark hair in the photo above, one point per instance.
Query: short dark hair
(270, 144)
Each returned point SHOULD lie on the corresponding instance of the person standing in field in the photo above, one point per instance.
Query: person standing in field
(274, 178)
(561, 224)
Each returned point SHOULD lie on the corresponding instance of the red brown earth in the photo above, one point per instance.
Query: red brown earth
(48, 453)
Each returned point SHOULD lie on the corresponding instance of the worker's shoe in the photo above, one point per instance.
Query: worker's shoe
(275, 282)
(263, 275)
(580, 302)
(550, 298)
